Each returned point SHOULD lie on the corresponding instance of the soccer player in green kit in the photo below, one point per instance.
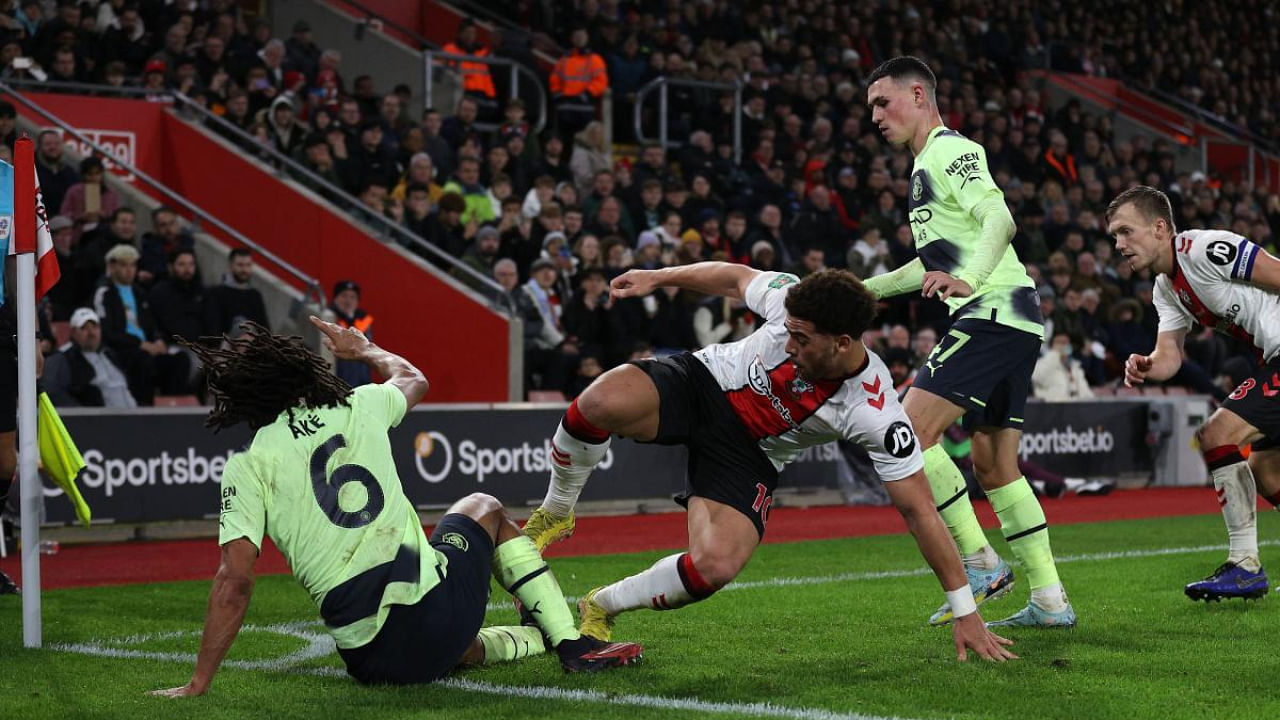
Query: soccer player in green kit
(320, 480)
(981, 369)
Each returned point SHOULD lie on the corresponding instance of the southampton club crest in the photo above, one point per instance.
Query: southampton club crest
(799, 386)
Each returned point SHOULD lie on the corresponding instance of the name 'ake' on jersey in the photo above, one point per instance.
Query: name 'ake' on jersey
(787, 414)
(1210, 285)
(948, 180)
(324, 488)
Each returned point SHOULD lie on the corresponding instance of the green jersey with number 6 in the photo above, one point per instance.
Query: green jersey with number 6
(323, 486)
(948, 181)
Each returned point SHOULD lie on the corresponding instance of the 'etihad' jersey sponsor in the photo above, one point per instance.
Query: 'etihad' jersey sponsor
(786, 413)
(1210, 285)
(948, 180)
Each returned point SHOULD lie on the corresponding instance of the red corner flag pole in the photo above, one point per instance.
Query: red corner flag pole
(24, 242)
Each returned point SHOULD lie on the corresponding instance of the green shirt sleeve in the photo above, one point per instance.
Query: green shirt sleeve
(384, 401)
(907, 278)
(969, 181)
(243, 513)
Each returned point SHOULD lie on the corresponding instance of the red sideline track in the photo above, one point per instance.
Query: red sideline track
(158, 561)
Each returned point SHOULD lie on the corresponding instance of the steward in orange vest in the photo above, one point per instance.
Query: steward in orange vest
(579, 72)
(346, 306)
(475, 76)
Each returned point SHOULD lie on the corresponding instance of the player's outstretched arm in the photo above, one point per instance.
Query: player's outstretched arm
(709, 278)
(1266, 272)
(913, 498)
(228, 601)
(1162, 364)
(351, 344)
(908, 278)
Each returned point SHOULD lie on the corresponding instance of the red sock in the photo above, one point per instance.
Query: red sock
(577, 425)
(693, 581)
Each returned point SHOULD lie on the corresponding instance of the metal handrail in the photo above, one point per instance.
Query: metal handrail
(661, 84)
(312, 284)
(370, 14)
(280, 160)
(516, 71)
(1220, 122)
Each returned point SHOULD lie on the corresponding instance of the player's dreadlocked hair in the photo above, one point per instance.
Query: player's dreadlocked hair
(256, 376)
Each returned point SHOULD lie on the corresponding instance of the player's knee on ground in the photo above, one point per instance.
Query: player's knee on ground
(717, 568)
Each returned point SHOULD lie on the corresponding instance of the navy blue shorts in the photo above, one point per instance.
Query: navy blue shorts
(423, 642)
(725, 463)
(985, 368)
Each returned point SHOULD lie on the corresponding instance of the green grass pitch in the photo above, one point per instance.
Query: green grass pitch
(815, 631)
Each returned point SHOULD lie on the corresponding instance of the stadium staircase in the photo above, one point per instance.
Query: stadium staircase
(467, 343)
(1226, 153)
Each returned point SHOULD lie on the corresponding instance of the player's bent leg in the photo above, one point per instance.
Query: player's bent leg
(1265, 465)
(1022, 521)
(518, 566)
(622, 401)
(497, 644)
(1233, 479)
(721, 541)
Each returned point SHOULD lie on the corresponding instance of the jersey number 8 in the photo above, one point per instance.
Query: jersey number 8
(327, 488)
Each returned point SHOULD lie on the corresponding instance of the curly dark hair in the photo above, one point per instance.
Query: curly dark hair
(258, 375)
(835, 301)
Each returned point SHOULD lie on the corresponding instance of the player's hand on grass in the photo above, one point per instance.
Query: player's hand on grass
(1136, 369)
(971, 633)
(188, 690)
(344, 343)
(944, 285)
(633, 283)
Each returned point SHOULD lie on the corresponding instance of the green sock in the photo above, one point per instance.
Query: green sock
(521, 570)
(952, 496)
(510, 643)
(1024, 527)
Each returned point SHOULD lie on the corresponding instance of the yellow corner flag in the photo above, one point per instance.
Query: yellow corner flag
(59, 455)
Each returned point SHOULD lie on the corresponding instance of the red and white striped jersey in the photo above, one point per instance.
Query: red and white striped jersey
(1210, 284)
(787, 414)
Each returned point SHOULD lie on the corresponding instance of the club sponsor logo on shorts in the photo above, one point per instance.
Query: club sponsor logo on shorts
(1221, 252)
(456, 540)
(899, 440)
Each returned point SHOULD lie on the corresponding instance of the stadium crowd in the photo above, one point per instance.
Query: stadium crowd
(553, 216)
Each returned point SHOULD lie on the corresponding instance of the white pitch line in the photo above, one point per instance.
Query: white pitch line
(916, 572)
(320, 644)
(657, 702)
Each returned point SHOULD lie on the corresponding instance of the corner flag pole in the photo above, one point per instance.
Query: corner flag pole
(24, 239)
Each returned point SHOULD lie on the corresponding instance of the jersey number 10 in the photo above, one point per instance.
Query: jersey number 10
(326, 488)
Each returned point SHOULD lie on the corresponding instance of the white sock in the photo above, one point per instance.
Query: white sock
(986, 559)
(1050, 597)
(658, 588)
(579, 459)
(1236, 494)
